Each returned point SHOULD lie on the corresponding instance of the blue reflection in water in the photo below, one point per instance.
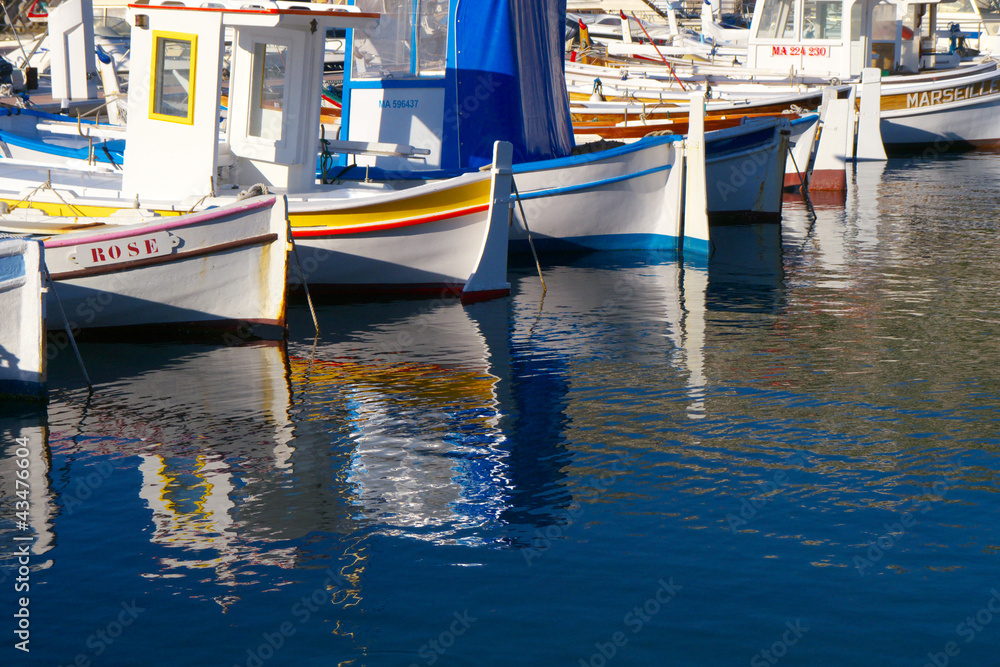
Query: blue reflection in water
(801, 430)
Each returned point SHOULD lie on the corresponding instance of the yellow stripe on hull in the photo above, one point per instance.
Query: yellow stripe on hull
(465, 196)
(451, 199)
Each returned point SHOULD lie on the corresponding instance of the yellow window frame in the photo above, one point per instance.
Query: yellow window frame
(159, 36)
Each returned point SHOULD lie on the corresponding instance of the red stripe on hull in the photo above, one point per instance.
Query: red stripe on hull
(379, 227)
(485, 295)
(792, 182)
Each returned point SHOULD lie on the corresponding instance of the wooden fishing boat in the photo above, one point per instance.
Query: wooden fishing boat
(447, 236)
(22, 320)
(220, 269)
(928, 98)
(629, 196)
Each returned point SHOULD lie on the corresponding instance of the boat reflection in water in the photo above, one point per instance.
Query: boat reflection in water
(433, 421)
(200, 424)
(24, 446)
(410, 393)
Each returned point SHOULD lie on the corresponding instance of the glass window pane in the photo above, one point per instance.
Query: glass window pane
(410, 40)
(432, 38)
(384, 51)
(173, 77)
(822, 19)
(777, 20)
(884, 22)
(268, 101)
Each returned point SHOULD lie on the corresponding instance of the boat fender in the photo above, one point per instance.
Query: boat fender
(102, 55)
(598, 94)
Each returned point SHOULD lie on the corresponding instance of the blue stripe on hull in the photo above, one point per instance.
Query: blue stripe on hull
(602, 242)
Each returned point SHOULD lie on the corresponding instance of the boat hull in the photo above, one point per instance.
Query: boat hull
(22, 321)
(222, 269)
(622, 198)
(446, 238)
(745, 172)
(963, 125)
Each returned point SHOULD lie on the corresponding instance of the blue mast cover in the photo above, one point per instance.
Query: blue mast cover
(510, 82)
(541, 43)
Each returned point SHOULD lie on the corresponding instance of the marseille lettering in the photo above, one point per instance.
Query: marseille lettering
(934, 97)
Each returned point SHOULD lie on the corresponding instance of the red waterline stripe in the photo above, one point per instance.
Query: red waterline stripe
(382, 226)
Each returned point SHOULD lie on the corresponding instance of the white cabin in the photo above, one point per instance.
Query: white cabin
(839, 38)
(174, 149)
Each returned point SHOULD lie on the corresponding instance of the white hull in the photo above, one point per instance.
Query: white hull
(973, 124)
(745, 172)
(223, 268)
(629, 197)
(22, 319)
(437, 238)
(622, 198)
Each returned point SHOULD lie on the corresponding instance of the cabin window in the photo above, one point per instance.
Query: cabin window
(267, 101)
(822, 19)
(174, 58)
(411, 40)
(884, 22)
(777, 20)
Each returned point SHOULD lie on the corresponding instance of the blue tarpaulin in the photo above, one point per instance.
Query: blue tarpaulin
(510, 80)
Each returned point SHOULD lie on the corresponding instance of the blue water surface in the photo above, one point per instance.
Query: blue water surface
(786, 454)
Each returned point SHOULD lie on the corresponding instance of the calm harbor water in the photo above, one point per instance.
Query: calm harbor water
(788, 455)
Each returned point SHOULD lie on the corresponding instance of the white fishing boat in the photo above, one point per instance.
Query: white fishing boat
(223, 269)
(622, 198)
(22, 320)
(444, 236)
(462, 96)
(928, 98)
(630, 196)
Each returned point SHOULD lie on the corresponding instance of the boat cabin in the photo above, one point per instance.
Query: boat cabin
(452, 77)
(839, 38)
(271, 73)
